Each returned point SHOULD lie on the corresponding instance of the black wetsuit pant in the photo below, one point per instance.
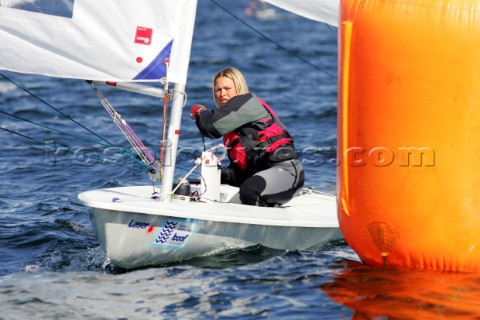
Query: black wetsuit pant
(274, 186)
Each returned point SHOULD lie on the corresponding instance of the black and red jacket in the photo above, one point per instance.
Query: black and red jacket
(253, 133)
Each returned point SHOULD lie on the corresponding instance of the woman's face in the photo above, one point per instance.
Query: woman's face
(224, 90)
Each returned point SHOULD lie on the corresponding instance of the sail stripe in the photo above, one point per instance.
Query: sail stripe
(156, 69)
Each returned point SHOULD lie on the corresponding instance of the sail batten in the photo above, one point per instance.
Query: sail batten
(108, 40)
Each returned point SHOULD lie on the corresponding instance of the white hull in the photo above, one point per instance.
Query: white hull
(136, 230)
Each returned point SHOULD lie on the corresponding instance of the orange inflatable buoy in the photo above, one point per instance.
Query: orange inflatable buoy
(409, 132)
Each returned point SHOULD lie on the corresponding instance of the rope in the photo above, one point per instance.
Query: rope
(272, 41)
(57, 110)
(70, 150)
(123, 151)
(104, 160)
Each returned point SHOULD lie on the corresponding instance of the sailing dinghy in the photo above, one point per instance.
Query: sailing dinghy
(149, 41)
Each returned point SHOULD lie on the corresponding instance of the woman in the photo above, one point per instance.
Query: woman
(263, 162)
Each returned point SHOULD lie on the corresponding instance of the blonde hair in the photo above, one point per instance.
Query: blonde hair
(236, 76)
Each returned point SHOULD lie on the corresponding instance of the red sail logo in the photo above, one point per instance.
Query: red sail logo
(144, 36)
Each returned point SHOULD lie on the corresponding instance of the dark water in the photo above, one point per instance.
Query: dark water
(50, 263)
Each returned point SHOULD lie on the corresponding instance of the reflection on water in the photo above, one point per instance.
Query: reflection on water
(373, 292)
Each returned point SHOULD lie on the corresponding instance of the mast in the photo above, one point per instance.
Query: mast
(172, 140)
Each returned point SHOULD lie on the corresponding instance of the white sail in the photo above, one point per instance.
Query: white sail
(319, 10)
(104, 40)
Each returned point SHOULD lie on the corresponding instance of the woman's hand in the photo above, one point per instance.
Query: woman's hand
(196, 110)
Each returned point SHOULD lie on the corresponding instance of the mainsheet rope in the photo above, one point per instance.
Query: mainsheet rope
(57, 110)
(123, 151)
(104, 160)
(108, 143)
